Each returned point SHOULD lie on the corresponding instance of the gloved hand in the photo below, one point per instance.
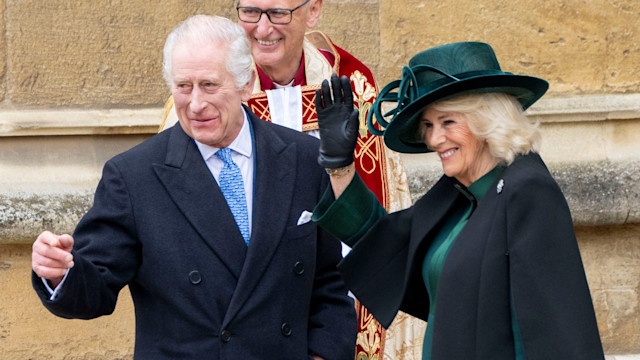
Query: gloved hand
(338, 123)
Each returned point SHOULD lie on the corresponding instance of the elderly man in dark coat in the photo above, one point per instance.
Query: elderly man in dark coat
(208, 223)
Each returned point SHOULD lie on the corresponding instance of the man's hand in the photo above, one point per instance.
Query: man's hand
(338, 123)
(51, 256)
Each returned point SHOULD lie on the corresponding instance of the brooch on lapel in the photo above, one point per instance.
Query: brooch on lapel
(500, 186)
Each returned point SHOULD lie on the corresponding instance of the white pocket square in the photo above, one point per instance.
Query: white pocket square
(305, 217)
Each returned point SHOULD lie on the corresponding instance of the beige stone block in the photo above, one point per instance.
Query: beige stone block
(354, 25)
(110, 53)
(29, 331)
(580, 47)
(591, 141)
(63, 122)
(57, 164)
(3, 52)
(611, 257)
(568, 142)
(98, 53)
(48, 182)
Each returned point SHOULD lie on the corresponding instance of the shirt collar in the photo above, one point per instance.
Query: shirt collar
(480, 187)
(476, 191)
(242, 144)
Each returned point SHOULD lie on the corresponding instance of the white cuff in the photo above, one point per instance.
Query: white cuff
(52, 292)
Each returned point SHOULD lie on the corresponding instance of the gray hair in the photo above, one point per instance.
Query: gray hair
(207, 29)
(498, 119)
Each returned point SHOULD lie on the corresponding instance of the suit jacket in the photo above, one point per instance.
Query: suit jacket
(161, 225)
(516, 258)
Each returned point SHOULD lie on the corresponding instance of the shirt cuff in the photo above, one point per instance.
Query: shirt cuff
(52, 292)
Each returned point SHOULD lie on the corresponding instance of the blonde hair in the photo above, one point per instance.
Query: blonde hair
(496, 118)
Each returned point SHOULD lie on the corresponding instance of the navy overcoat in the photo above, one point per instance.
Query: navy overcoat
(160, 225)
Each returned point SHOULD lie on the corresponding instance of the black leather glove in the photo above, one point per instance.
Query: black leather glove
(338, 123)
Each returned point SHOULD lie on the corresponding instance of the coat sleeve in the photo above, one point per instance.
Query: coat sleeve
(352, 214)
(375, 269)
(105, 254)
(358, 219)
(552, 305)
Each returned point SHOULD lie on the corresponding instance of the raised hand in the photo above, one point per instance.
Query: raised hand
(338, 123)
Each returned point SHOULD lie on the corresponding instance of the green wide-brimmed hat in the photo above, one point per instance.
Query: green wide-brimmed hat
(440, 73)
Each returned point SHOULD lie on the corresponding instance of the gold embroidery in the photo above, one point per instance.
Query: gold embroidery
(363, 88)
(259, 105)
(365, 94)
(368, 154)
(368, 336)
(309, 115)
(373, 160)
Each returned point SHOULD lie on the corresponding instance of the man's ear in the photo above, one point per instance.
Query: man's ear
(247, 90)
(315, 8)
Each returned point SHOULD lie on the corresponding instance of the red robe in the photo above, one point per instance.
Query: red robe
(370, 154)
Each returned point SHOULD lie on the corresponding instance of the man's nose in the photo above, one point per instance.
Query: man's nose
(198, 102)
(264, 25)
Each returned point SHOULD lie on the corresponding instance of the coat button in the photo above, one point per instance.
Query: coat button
(195, 277)
(298, 268)
(225, 336)
(286, 329)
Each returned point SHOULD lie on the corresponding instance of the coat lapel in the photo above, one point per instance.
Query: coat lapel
(191, 186)
(426, 216)
(274, 180)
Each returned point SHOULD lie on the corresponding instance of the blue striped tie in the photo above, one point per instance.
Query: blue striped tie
(232, 187)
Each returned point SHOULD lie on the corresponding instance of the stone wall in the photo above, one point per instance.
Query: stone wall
(581, 47)
(81, 82)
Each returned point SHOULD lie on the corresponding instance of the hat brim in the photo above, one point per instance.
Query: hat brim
(403, 133)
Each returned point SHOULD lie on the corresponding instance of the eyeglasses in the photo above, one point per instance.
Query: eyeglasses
(277, 16)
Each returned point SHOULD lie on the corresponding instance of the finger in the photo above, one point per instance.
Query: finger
(321, 95)
(48, 238)
(66, 242)
(326, 93)
(55, 253)
(353, 125)
(337, 89)
(346, 89)
(49, 269)
(318, 100)
(39, 260)
(49, 273)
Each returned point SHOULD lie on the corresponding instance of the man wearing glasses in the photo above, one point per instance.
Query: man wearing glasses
(290, 64)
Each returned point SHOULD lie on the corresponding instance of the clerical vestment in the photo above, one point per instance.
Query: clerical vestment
(379, 167)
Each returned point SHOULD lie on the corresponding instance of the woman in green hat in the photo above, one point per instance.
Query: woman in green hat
(487, 256)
